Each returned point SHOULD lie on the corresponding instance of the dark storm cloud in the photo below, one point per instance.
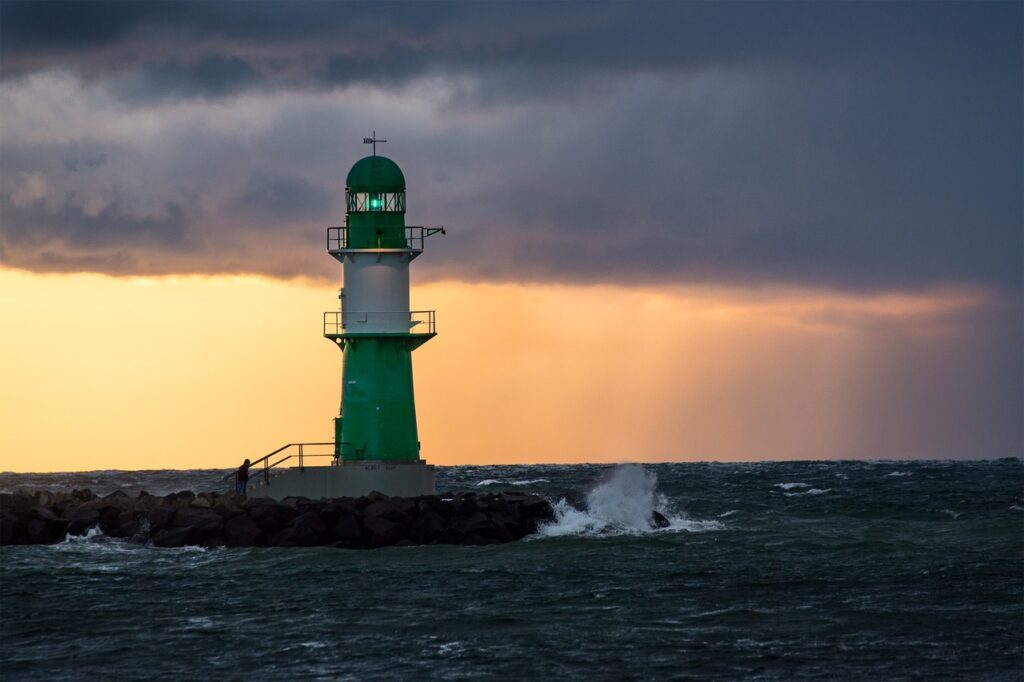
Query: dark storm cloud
(323, 44)
(860, 145)
(37, 225)
(284, 197)
(210, 76)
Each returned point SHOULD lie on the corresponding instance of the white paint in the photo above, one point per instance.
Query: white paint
(376, 293)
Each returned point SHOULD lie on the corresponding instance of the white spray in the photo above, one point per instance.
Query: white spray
(623, 503)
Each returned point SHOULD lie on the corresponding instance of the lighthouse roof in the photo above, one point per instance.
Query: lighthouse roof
(375, 173)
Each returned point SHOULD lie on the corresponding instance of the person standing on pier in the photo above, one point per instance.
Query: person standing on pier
(242, 478)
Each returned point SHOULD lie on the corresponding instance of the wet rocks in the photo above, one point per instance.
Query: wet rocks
(214, 520)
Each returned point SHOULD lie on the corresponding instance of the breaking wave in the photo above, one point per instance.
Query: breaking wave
(498, 481)
(623, 504)
(812, 491)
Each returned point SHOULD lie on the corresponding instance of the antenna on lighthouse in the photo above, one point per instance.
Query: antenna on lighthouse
(373, 140)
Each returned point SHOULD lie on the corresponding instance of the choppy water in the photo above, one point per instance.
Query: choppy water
(847, 570)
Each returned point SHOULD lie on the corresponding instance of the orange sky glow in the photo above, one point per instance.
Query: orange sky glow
(199, 372)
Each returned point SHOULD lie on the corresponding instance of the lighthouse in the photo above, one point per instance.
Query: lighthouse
(374, 326)
(376, 440)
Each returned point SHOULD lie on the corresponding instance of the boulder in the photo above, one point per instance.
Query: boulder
(306, 530)
(133, 526)
(178, 537)
(473, 523)
(658, 520)
(242, 531)
(464, 504)
(160, 517)
(16, 504)
(387, 509)
(381, 532)
(83, 495)
(82, 518)
(38, 533)
(426, 526)
(347, 531)
(43, 512)
(449, 536)
(13, 531)
(536, 509)
(405, 505)
(110, 519)
(206, 524)
(229, 505)
(145, 501)
(271, 518)
(436, 504)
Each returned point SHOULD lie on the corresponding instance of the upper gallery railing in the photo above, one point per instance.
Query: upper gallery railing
(337, 237)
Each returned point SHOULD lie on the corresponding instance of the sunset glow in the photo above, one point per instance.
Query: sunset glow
(191, 372)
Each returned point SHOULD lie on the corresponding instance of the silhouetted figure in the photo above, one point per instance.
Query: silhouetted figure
(242, 478)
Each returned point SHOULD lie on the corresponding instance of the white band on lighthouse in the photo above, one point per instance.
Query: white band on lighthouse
(376, 293)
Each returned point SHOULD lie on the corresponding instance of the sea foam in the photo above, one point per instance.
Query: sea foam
(790, 486)
(622, 504)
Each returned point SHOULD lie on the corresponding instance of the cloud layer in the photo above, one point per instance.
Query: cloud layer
(850, 146)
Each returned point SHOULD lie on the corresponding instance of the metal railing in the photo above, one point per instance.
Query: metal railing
(337, 237)
(338, 323)
(301, 455)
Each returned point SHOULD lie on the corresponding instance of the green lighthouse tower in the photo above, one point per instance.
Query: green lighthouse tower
(376, 443)
(374, 327)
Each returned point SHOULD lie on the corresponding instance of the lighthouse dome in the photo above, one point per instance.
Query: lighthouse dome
(375, 173)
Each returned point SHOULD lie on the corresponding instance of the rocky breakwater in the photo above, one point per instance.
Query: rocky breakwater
(214, 520)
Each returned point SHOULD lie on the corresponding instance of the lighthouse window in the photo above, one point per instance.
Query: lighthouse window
(365, 202)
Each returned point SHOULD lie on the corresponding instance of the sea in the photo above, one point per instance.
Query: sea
(840, 570)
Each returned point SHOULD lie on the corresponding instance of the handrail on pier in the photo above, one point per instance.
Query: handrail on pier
(265, 459)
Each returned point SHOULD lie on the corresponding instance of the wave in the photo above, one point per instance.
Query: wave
(790, 486)
(95, 539)
(498, 481)
(624, 504)
(812, 491)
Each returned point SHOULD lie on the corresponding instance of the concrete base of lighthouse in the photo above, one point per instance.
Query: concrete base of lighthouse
(348, 479)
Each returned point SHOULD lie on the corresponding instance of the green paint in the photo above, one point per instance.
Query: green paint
(375, 173)
(378, 413)
(338, 422)
(379, 222)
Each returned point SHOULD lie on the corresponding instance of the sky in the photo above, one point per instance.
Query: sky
(675, 231)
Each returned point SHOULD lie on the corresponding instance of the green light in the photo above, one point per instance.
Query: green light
(375, 203)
